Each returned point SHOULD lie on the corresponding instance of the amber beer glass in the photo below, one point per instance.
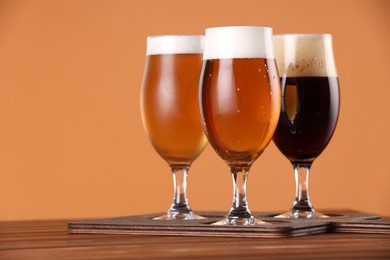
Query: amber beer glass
(239, 103)
(170, 110)
(310, 108)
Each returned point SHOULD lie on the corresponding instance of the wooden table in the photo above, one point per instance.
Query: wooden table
(50, 240)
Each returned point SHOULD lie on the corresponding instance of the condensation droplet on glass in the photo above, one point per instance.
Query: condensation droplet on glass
(238, 141)
(210, 75)
(238, 110)
(238, 89)
(259, 70)
(293, 131)
(226, 151)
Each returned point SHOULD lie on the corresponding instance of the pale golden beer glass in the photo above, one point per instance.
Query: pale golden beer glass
(170, 110)
(240, 103)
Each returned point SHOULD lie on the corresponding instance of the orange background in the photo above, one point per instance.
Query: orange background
(72, 144)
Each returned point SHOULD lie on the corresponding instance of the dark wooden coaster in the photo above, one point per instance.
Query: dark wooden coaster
(348, 221)
(145, 225)
(356, 222)
(334, 216)
(368, 226)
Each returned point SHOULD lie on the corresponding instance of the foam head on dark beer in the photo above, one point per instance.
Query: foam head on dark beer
(305, 55)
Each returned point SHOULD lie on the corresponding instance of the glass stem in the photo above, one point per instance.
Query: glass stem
(239, 208)
(302, 204)
(180, 202)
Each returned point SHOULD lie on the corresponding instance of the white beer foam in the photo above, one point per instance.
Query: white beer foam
(175, 44)
(305, 55)
(238, 42)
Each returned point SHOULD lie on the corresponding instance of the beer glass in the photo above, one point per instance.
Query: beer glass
(310, 108)
(240, 104)
(170, 110)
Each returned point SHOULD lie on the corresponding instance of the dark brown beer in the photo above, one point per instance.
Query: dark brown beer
(170, 107)
(240, 104)
(308, 118)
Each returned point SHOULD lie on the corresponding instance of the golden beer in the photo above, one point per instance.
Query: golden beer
(240, 101)
(170, 108)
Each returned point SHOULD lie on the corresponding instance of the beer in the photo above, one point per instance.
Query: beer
(239, 104)
(170, 108)
(308, 116)
(310, 108)
(310, 95)
(240, 101)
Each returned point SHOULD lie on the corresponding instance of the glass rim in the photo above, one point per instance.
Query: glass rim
(301, 34)
(176, 35)
(238, 26)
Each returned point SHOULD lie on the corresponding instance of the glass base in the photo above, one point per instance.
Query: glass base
(229, 221)
(179, 216)
(295, 214)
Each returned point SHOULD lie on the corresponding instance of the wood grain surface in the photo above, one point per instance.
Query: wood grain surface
(51, 240)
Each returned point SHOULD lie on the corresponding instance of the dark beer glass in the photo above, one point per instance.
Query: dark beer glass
(310, 108)
(170, 110)
(240, 103)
